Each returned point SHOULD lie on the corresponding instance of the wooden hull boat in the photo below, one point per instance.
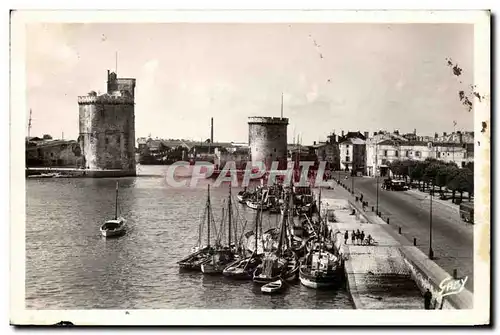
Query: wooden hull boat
(271, 269)
(242, 269)
(292, 270)
(273, 287)
(196, 260)
(320, 270)
(113, 228)
(218, 262)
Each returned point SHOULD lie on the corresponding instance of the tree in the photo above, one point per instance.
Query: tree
(431, 172)
(395, 167)
(442, 176)
(459, 183)
(470, 182)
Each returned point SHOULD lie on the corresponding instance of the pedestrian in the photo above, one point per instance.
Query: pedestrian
(427, 299)
(353, 237)
(346, 237)
(362, 236)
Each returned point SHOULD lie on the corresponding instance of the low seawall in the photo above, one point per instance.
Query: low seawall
(377, 275)
(426, 273)
(79, 173)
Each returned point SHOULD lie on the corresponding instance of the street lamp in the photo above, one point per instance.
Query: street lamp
(377, 194)
(352, 183)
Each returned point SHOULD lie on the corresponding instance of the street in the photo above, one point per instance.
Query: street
(452, 239)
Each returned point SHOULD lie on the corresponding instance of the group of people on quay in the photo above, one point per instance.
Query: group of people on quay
(358, 238)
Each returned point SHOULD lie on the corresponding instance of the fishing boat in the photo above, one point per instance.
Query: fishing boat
(222, 256)
(201, 254)
(273, 287)
(220, 259)
(244, 269)
(275, 264)
(115, 227)
(271, 268)
(320, 268)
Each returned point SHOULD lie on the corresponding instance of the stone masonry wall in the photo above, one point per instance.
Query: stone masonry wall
(107, 135)
(268, 139)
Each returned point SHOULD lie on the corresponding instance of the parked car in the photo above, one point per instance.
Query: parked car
(394, 185)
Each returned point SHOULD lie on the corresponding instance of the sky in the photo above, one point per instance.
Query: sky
(335, 76)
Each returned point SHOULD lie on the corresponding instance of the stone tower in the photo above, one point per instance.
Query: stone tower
(267, 138)
(107, 127)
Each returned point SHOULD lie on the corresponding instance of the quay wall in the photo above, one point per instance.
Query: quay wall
(426, 273)
(377, 275)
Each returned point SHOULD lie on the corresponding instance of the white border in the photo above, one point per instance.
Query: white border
(18, 314)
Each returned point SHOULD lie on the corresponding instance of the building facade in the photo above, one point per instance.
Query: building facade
(380, 153)
(54, 153)
(375, 162)
(107, 127)
(267, 139)
(353, 155)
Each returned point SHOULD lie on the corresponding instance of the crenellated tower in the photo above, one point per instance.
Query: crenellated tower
(107, 127)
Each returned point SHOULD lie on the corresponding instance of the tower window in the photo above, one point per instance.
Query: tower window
(107, 141)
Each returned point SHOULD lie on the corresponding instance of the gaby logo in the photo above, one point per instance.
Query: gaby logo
(451, 286)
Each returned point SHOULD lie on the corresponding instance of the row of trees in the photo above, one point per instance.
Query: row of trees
(438, 173)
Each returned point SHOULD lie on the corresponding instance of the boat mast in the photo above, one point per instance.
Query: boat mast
(208, 217)
(282, 229)
(261, 220)
(29, 126)
(229, 219)
(116, 202)
(257, 228)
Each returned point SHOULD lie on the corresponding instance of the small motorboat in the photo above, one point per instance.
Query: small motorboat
(112, 228)
(243, 196)
(272, 287)
(257, 205)
(45, 175)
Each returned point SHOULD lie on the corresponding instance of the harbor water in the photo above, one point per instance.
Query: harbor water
(69, 265)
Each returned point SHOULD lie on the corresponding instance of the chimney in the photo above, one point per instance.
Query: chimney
(444, 133)
(212, 130)
(436, 135)
(415, 131)
(460, 137)
(396, 132)
(366, 135)
(342, 133)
